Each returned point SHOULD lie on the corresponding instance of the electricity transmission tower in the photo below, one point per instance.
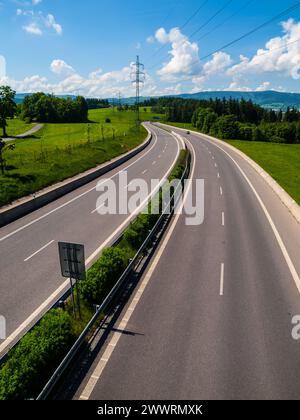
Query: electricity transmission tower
(138, 79)
(120, 100)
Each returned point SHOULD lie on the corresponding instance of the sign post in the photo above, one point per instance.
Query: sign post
(72, 263)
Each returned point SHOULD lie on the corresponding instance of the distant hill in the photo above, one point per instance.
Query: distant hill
(267, 99)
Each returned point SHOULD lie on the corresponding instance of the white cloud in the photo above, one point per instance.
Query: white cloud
(51, 23)
(218, 63)
(281, 55)
(33, 28)
(185, 55)
(38, 19)
(264, 86)
(162, 36)
(235, 86)
(97, 84)
(61, 67)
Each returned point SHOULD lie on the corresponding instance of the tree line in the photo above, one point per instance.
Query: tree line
(232, 118)
(51, 109)
(255, 124)
(94, 103)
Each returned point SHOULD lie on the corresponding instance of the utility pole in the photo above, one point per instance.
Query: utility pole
(138, 76)
(120, 100)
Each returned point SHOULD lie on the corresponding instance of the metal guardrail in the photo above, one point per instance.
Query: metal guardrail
(165, 216)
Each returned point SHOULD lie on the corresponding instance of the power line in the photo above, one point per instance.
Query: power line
(225, 20)
(194, 14)
(292, 8)
(211, 18)
(182, 26)
(261, 54)
(199, 29)
(138, 76)
(268, 22)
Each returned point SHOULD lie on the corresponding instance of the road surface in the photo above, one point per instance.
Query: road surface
(30, 278)
(213, 316)
(28, 133)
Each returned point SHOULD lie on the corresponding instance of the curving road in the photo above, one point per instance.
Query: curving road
(28, 133)
(213, 316)
(30, 278)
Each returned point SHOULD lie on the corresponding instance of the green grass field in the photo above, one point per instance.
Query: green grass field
(16, 126)
(59, 151)
(281, 161)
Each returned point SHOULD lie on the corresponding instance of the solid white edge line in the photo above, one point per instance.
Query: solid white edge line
(77, 197)
(47, 303)
(97, 372)
(222, 280)
(281, 244)
(38, 251)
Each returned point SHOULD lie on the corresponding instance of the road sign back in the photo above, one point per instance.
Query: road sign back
(72, 260)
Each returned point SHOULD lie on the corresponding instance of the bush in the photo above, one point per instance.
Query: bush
(29, 365)
(138, 231)
(245, 132)
(102, 276)
(226, 127)
(108, 120)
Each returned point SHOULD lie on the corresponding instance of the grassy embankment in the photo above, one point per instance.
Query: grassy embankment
(60, 151)
(281, 161)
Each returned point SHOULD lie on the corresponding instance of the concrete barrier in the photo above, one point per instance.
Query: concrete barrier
(29, 204)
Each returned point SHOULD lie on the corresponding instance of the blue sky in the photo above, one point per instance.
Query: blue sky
(71, 46)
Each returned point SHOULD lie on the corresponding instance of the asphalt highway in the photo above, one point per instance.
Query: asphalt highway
(30, 278)
(212, 318)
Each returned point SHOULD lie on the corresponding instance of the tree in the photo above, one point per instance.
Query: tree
(8, 106)
(4, 146)
(50, 109)
(227, 127)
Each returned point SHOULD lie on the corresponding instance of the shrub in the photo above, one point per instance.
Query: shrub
(108, 120)
(29, 365)
(245, 132)
(102, 276)
(227, 127)
(138, 231)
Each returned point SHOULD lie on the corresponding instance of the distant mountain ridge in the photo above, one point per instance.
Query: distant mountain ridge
(267, 99)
